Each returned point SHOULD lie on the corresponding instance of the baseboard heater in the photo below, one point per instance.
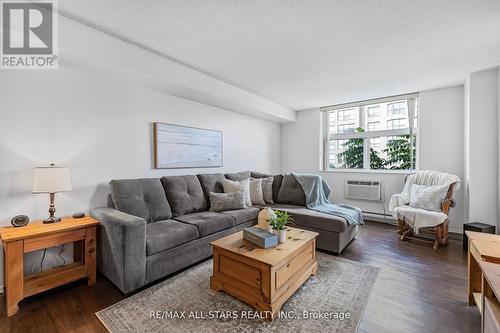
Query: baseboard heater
(379, 217)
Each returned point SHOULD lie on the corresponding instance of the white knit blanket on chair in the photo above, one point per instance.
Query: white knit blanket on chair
(415, 217)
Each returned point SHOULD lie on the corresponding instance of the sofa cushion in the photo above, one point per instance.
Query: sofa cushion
(291, 192)
(141, 197)
(165, 235)
(313, 219)
(184, 194)
(238, 175)
(243, 215)
(277, 179)
(207, 222)
(211, 183)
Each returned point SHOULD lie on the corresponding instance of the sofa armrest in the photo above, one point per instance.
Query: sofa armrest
(122, 248)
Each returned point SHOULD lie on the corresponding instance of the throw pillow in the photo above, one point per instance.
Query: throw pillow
(256, 196)
(240, 185)
(427, 197)
(267, 189)
(227, 201)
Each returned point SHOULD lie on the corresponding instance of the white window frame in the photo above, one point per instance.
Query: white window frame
(367, 135)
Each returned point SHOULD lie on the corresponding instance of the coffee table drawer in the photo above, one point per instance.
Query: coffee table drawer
(287, 271)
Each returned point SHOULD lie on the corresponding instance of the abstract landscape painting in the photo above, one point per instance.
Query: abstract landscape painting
(186, 147)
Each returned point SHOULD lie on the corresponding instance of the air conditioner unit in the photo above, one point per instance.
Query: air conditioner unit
(363, 190)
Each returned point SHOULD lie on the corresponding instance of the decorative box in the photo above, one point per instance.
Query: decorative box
(260, 237)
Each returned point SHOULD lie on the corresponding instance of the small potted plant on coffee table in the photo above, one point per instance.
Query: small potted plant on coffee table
(279, 222)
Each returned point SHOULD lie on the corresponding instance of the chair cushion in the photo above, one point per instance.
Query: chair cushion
(207, 222)
(291, 192)
(314, 219)
(184, 194)
(243, 215)
(238, 175)
(141, 197)
(211, 183)
(165, 235)
(277, 179)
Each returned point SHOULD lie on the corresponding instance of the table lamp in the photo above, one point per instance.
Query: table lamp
(51, 180)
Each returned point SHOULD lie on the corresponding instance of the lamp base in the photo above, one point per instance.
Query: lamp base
(52, 219)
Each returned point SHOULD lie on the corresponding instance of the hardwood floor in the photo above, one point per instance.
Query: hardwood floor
(418, 290)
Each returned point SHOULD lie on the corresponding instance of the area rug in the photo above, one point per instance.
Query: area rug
(331, 301)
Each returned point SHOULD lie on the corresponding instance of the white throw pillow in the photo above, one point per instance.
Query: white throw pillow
(427, 197)
(256, 195)
(235, 186)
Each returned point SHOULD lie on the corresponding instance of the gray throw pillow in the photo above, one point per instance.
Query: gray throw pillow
(267, 189)
(256, 195)
(227, 201)
(291, 192)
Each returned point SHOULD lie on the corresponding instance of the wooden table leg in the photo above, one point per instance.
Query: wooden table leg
(90, 254)
(14, 277)
(470, 276)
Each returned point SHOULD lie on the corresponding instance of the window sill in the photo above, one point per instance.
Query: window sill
(393, 172)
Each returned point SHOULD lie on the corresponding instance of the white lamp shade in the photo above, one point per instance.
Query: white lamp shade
(51, 180)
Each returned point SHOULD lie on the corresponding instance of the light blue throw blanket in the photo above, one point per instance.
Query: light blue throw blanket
(317, 192)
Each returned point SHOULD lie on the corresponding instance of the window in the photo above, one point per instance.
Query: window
(372, 135)
(397, 123)
(397, 108)
(373, 126)
(373, 111)
(345, 128)
(345, 115)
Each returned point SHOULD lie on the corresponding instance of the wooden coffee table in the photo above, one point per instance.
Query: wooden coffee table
(264, 278)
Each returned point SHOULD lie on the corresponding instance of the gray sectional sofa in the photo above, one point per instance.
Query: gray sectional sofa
(154, 227)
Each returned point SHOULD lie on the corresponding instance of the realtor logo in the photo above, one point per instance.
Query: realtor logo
(29, 35)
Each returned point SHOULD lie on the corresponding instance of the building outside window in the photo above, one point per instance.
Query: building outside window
(346, 115)
(397, 108)
(373, 135)
(373, 111)
(345, 128)
(373, 126)
(397, 123)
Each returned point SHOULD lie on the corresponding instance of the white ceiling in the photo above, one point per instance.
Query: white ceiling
(305, 54)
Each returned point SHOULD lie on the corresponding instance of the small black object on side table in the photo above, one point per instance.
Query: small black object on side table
(477, 227)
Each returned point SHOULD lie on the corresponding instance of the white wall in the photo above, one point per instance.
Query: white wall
(441, 139)
(102, 130)
(301, 149)
(483, 147)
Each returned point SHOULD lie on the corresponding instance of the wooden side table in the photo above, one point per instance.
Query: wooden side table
(490, 316)
(36, 236)
(482, 248)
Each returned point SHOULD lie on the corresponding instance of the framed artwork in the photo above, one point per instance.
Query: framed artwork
(186, 147)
